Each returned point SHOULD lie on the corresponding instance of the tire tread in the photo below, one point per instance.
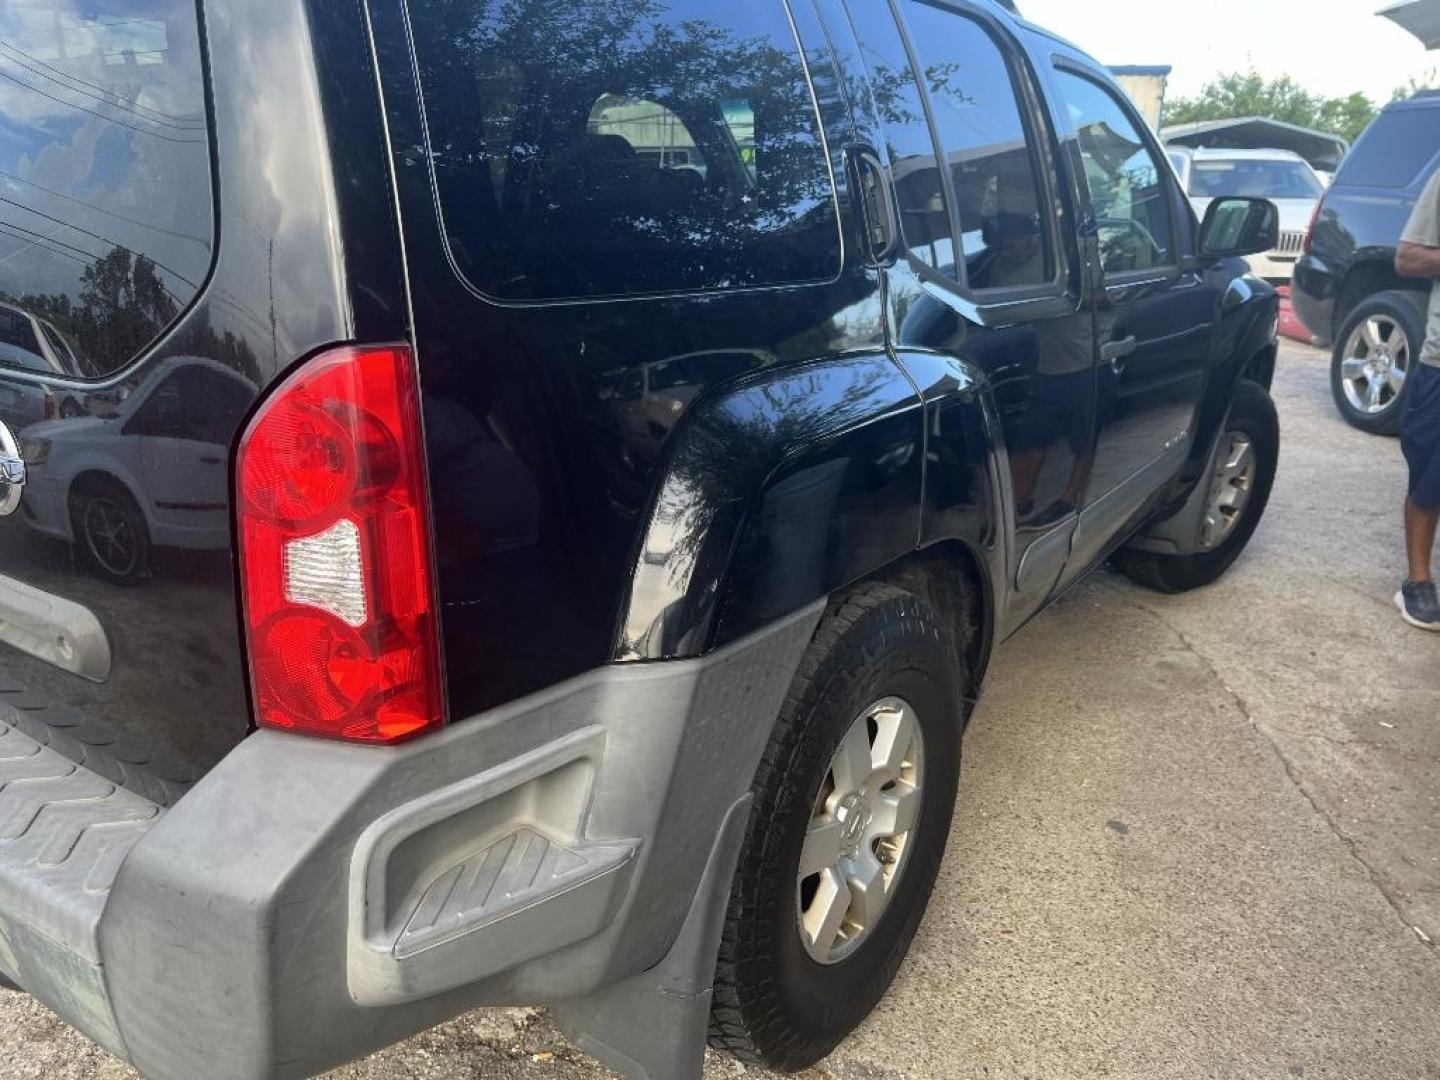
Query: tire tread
(745, 1021)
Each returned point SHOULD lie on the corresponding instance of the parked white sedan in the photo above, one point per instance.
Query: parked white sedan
(1286, 179)
(152, 473)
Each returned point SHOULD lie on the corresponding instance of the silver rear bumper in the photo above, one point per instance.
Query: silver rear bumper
(307, 902)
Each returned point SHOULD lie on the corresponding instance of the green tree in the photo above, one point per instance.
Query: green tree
(1415, 84)
(1238, 94)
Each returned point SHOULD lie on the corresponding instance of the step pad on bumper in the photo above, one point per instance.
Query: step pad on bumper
(64, 831)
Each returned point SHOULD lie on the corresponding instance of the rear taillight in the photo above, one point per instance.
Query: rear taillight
(335, 562)
(1310, 229)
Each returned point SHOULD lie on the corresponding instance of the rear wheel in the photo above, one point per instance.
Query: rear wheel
(853, 802)
(1242, 473)
(1375, 351)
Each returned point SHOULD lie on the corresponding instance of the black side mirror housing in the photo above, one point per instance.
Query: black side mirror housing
(1235, 227)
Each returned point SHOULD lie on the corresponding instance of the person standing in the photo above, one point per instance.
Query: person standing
(1419, 257)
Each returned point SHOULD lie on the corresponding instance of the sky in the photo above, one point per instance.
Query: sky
(1333, 47)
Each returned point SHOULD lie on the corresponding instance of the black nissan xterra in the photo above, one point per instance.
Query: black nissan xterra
(511, 501)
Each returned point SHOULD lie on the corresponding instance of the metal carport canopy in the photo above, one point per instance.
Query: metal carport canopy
(1420, 17)
(1319, 148)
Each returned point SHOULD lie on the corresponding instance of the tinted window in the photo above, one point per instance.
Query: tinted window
(919, 190)
(1393, 149)
(978, 120)
(1126, 181)
(194, 402)
(594, 148)
(105, 201)
(1254, 179)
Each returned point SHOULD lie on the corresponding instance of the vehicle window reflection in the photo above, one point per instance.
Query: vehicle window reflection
(105, 198)
(587, 149)
(1127, 185)
(987, 149)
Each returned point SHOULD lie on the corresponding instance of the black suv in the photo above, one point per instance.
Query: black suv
(513, 501)
(1346, 289)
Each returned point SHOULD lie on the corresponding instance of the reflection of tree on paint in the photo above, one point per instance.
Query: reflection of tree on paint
(123, 306)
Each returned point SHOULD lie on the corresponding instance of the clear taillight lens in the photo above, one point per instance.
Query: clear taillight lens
(335, 552)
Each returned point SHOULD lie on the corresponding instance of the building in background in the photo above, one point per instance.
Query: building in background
(1146, 86)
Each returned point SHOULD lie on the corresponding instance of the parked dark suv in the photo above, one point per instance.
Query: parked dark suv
(1346, 289)
(545, 484)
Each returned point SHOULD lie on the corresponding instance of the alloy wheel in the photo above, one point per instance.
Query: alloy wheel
(1231, 485)
(860, 831)
(1376, 362)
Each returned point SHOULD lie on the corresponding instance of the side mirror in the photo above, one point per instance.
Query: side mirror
(1236, 227)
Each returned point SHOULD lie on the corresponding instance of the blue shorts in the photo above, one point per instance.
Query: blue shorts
(1420, 435)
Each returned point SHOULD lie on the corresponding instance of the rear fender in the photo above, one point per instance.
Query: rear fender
(778, 491)
(968, 500)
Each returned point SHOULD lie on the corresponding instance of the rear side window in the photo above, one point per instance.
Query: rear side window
(106, 220)
(1393, 149)
(597, 149)
(978, 120)
(914, 165)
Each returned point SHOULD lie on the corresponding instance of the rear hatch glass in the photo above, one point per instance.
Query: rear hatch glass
(105, 200)
(1393, 150)
(114, 558)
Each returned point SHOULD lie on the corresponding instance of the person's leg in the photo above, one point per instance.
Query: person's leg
(1418, 600)
(1420, 523)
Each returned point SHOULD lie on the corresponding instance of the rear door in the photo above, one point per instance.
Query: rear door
(990, 276)
(1155, 317)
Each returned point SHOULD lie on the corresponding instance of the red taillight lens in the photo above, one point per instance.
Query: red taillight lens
(1310, 229)
(335, 552)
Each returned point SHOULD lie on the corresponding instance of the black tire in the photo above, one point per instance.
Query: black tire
(98, 506)
(1253, 413)
(774, 1004)
(1405, 311)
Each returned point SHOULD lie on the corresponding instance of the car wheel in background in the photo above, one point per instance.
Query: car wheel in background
(853, 802)
(1376, 348)
(1242, 474)
(110, 531)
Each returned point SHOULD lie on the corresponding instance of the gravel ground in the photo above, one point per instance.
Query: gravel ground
(1197, 836)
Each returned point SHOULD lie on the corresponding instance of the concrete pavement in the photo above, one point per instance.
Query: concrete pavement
(1198, 836)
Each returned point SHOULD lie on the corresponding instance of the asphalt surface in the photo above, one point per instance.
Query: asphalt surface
(1197, 836)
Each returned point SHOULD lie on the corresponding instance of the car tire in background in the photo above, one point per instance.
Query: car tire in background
(1377, 347)
(111, 536)
(1242, 475)
(829, 889)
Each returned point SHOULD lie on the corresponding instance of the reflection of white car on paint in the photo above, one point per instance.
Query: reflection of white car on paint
(154, 473)
(1285, 178)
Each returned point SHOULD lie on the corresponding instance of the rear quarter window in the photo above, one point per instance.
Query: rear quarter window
(1393, 150)
(105, 198)
(596, 149)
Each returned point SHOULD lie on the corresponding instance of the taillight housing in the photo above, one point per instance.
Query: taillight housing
(335, 555)
(1310, 229)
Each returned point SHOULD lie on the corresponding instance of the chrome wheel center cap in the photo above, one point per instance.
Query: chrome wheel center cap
(854, 814)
